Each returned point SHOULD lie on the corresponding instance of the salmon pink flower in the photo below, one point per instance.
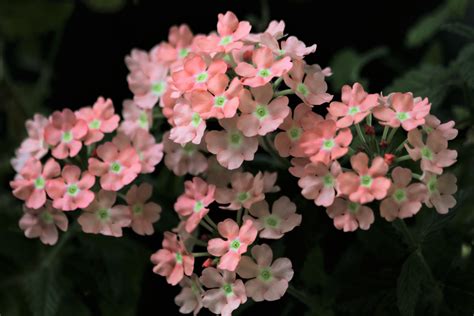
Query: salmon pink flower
(268, 281)
(308, 83)
(135, 119)
(178, 47)
(189, 125)
(218, 175)
(260, 114)
(292, 47)
(43, 223)
(405, 111)
(288, 143)
(355, 106)
(148, 85)
(325, 142)
(182, 159)
(116, 168)
(32, 181)
(196, 73)
(446, 130)
(269, 180)
(265, 69)
(217, 102)
(434, 154)
(35, 144)
(349, 216)
(404, 199)
(440, 191)
(64, 133)
(100, 118)
(172, 261)
(365, 184)
(225, 293)
(281, 220)
(298, 167)
(319, 183)
(142, 213)
(102, 217)
(190, 297)
(236, 243)
(72, 190)
(230, 145)
(194, 201)
(245, 190)
(275, 28)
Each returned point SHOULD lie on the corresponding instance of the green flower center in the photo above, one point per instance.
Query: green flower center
(294, 133)
(227, 288)
(196, 120)
(202, 77)
(115, 167)
(399, 195)
(235, 139)
(328, 144)
(95, 124)
(235, 245)
(73, 190)
(265, 274)
(103, 214)
(137, 209)
(183, 52)
(261, 111)
(353, 207)
(67, 136)
(353, 110)
(366, 181)
(47, 218)
(426, 153)
(226, 40)
(328, 181)
(402, 116)
(303, 89)
(272, 221)
(242, 196)
(143, 120)
(219, 101)
(158, 88)
(264, 72)
(198, 206)
(40, 183)
(432, 185)
(179, 258)
(281, 52)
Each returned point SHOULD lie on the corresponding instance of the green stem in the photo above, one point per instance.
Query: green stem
(403, 158)
(368, 119)
(300, 296)
(284, 92)
(401, 146)
(392, 133)
(239, 216)
(416, 176)
(385, 132)
(360, 134)
(206, 226)
(210, 221)
(198, 242)
(201, 254)
(277, 83)
(122, 196)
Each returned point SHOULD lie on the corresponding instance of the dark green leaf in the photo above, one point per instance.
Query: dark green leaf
(105, 6)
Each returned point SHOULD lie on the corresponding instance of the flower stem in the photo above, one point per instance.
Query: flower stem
(401, 146)
(239, 216)
(300, 296)
(210, 221)
(200, 254)
(416, 176)
(277, 83)
(284, 92)
(199, 242)
(403, 158)
(206, 226)
(392, 133)
(368, 119)
(385, 132)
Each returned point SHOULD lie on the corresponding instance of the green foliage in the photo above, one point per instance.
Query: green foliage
(460, 29)
(105, 6)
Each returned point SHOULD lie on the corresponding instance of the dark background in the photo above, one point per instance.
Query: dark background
(54, 57)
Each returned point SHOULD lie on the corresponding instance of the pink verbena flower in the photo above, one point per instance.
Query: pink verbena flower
(281, 220)
(116, 168)
(308, 83)
(440, 191)
(194, 201)
(355, 106)
(35, 145)
(349, 216)
(325, 142)
(268, 281)
(43, 223)
(218, 175)
(245, 190)
(148, 85)
(298, 166)
(235, 244)
(403, 199)
(135, 119)
(265, 69)
(72, 190)
(230, 145)
(222, 99)
(182, 159)
(288, 143)
(434, 154)
(64, 133)
(319, 182)
(275, 28)
(404, 111)
(142, 213)
(197, 72)
(291, 47)
(102, 217)
(178, 47)
(31, 184)
(365, 184)
(138, 60)
(224, 294)
(260, 114)
(172, 261)
(100, 119)
(446, 130)
(190, 297)
(189, 125)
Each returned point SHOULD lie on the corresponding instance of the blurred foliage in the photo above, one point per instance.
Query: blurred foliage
(423, 268)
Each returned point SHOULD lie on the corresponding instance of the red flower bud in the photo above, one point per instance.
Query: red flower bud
(389, 158)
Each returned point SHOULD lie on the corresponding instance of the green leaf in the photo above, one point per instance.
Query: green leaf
(408, 284)
(460, 29)
(464, 65)
(105, 6)
(43, 291)
(24, 18)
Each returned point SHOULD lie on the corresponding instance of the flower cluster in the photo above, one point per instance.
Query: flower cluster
(221, 96)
